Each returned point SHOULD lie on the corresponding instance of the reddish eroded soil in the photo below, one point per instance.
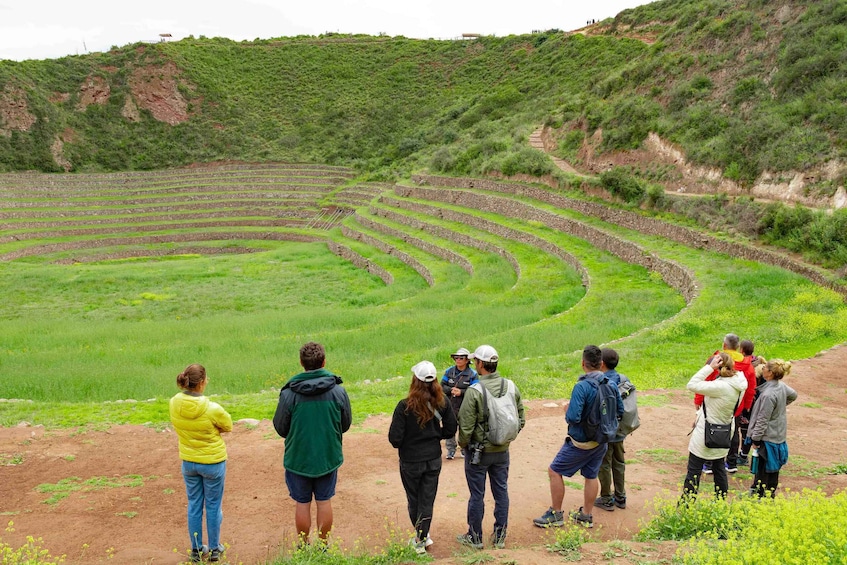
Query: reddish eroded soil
(147, 524)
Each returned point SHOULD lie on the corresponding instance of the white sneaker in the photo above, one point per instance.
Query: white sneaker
(429, 541)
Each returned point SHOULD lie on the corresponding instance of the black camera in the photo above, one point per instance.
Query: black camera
(475, 450)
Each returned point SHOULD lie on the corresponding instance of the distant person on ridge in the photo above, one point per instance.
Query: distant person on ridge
(313, 412)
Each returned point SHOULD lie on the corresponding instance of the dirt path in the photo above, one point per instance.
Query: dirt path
(146, 523)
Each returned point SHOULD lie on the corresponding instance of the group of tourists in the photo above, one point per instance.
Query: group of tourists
(478, 413)
(741, 412)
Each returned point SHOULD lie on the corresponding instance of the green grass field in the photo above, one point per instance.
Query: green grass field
(81, 328)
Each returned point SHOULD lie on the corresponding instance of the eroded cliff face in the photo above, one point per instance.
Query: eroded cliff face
(785, 186)
(94, 90)
(152, 87)
(14, 111)
(156, 88)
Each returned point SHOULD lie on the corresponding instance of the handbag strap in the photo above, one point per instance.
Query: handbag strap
(734, 408)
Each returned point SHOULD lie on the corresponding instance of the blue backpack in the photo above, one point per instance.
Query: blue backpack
(600, 418)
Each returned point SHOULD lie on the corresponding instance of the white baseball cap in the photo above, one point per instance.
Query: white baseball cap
(485, 353)
(424, 371)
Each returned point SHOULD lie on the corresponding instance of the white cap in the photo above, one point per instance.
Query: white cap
(424, 371)
(462, 352)
(485, 353)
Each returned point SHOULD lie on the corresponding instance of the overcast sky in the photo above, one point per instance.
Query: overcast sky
(43, 29)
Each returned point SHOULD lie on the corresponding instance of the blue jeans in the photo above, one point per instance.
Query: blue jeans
(204, 485)
(496, 467)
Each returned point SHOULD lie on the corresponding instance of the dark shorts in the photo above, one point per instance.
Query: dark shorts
(302, 488)
(571, 459)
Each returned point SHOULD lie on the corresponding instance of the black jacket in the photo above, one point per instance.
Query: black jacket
(416, 443)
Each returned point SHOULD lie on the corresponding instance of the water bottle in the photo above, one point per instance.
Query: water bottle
(754, 460)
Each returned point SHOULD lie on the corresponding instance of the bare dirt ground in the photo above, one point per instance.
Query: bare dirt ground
(147, 523)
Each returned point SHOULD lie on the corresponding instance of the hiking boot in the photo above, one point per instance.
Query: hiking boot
(469, 541)
(620, 503)
(498, 540)
(215, 555)
(196, 555)
(550, 518)
(605, 503)
(582, 518)
(707, 468)
(742, 460)
(730, 468)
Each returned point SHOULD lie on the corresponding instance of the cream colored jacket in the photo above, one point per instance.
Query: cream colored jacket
(198, 423)
(721, 396)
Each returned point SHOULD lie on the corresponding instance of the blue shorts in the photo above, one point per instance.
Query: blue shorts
(301, 488)
(571, 459)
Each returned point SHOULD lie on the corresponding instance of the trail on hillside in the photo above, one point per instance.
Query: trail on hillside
(146, 523)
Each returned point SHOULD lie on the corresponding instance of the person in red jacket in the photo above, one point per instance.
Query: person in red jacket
(743, 365)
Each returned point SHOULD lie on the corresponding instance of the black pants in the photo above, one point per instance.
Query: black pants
(743, 427)
(735, 444)
(420, 480)
(763, 482)
(695, 469)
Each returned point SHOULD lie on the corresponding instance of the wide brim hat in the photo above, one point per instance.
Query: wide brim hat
(461, 352)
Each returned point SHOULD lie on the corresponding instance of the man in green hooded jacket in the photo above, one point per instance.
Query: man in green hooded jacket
(313, 412)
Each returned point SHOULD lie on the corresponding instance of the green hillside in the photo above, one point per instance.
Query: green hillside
(744, 86)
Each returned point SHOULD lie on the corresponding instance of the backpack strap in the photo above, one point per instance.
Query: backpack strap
(484, 423)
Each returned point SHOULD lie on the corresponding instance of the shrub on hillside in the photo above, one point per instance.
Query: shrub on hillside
(623, 185)
(528, 161)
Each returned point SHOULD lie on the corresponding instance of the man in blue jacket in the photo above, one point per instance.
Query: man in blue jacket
(578, 452)
(313, 412)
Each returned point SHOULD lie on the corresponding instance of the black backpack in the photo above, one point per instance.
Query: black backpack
(600, 418)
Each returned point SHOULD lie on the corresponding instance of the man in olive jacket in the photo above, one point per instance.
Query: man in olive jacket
(313, 412)
(494, 461)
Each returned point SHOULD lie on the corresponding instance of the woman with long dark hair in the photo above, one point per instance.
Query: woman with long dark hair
(198, 423)
(420, 422)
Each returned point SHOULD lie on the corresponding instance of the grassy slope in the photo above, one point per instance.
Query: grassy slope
(742, 86)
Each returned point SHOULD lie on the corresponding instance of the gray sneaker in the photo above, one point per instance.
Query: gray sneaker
(550, 518)
(582, 518)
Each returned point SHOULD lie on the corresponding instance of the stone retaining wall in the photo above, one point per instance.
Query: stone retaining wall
(360, 262)
(443, 233)
(153, 239)
(389, 250)
(637, 222)
(432, 249)
(671, 272)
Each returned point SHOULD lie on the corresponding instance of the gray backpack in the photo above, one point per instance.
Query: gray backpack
(630, 420)
(500, 413)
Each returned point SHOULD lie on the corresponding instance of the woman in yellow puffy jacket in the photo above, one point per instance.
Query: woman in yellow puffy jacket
(199, 422)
